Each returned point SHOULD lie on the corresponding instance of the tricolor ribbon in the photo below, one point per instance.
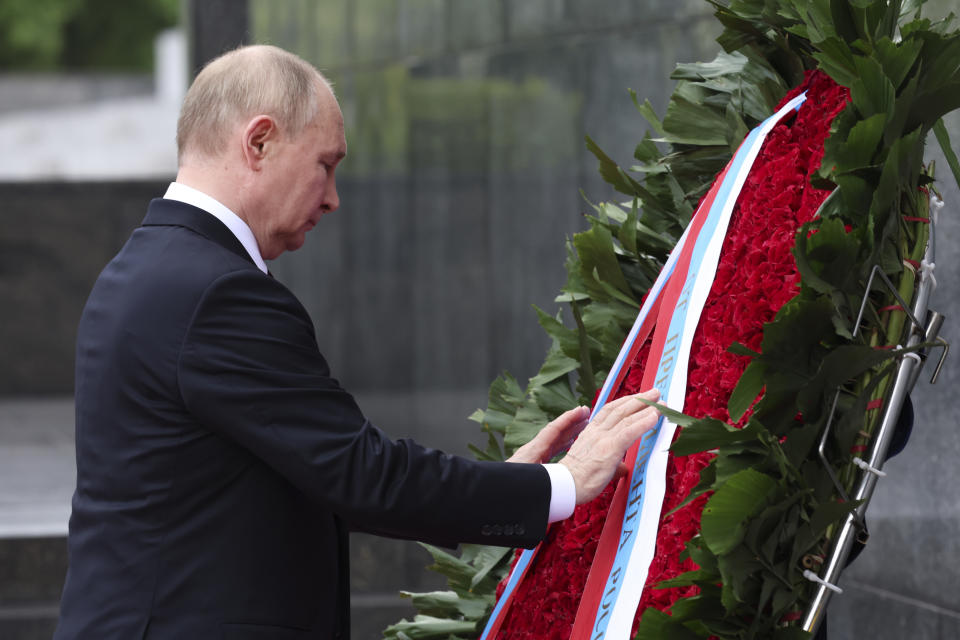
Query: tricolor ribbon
(673, 305)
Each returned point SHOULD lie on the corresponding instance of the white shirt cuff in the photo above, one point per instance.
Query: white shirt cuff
(563, 492)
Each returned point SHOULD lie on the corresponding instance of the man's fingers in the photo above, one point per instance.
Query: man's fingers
(613, 412)
(566, 428)
(556, 436)
(602, 417)
(572, 420)
(636, 426)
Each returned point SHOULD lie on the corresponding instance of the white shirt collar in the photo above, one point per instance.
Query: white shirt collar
(189, 195)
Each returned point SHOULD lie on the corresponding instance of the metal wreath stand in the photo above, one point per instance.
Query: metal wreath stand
(924, 336)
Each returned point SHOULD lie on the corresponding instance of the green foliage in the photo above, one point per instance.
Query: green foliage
(462, 611)
(772, 504)
(31, 32)
(116, 35)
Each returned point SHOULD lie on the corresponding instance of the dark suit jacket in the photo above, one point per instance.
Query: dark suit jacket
(219, 464)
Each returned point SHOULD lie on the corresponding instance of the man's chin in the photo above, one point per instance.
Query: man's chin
(296, 242)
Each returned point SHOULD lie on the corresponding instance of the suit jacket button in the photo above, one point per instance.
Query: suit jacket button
(485, 530)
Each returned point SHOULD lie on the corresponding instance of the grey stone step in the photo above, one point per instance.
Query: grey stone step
(31, 578)
(30, 626)
(33, 570)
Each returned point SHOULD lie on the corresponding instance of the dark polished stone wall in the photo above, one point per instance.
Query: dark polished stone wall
(55, 238)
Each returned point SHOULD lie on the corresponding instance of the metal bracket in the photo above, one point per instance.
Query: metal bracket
(822, 450)
(860, 462)
(932, 334)
(929, 332)
(866, 297)
(812, 577)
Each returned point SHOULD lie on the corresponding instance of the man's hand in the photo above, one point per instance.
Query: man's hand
(557, 436)
(598, 453)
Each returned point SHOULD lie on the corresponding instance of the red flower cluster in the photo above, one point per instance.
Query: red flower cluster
(755, 277)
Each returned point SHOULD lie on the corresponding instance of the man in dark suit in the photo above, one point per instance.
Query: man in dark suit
(219, 465)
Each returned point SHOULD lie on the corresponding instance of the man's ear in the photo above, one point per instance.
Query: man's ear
(258, 136)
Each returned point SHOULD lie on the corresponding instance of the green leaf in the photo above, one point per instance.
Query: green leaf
(505, 395)
(687, 579)
(690, 121)
(707, 433)
(739, 571)
(696, 608)
(810, 533)
(555, 366)
(836, 60)
(860, 147)
(599, 262)
(460, 573)
(736, 128)
(611, 172)
(746, 84)
(448, 603)
(487, 558)
(741, 350)
(843, 363)
(872, 92)
(613, 292)
(943, 138)
(748, 388)
(493, 452)
(827, 258)
(565, 341)
(628, 230)
(799, 443)
(731, 460)
(586, 381)
(897, 59)
(427, 627)
(656, 625)
(555, 397)
(722, 522)
(646, 110)
(530, 419)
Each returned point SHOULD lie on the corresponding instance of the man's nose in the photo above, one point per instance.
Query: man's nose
(331, 198)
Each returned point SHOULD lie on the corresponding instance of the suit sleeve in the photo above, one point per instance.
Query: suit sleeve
(250, 370)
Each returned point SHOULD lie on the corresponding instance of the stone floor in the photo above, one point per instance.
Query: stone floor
(37, 477)
(37, 468)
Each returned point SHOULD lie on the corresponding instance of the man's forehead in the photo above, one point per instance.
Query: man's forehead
(333, 123)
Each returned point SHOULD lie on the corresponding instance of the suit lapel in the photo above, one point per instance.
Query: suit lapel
(163, 212)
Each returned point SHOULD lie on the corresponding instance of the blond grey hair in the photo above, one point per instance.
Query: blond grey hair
(240, 84)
